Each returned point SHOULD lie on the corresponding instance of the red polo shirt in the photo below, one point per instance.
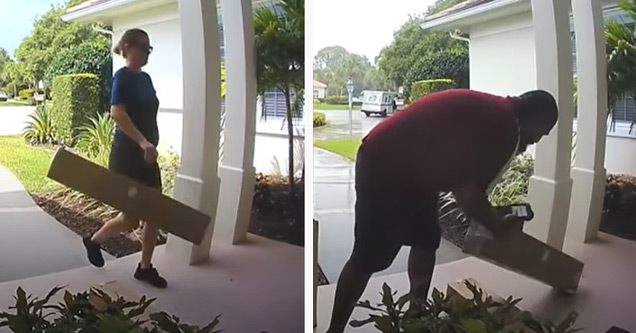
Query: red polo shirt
(442, 142)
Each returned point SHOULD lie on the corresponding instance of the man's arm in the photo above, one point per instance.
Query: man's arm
(472, 199)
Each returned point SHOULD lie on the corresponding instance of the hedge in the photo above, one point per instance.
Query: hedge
(421, 89)
(337, 100)
(26, 93)
(76, 99)
(319, 119)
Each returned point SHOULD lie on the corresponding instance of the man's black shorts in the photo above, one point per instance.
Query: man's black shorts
(385, 220)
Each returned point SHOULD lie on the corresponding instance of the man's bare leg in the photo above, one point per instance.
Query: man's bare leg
(420, 269)
(351, 284)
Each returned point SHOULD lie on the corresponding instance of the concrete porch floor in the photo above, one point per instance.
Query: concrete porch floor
(606, 296)
(257, 286)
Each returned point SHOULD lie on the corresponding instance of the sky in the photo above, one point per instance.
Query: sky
(17, 18)
(361, 26)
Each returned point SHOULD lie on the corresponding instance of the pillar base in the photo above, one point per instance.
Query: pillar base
(235, 204)
(586, 206)
(200, 195)
(549, 225)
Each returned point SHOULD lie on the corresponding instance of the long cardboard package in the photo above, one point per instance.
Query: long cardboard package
(128, 196)
(525, 255)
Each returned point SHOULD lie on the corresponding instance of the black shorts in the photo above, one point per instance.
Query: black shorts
(385, 220)
(130, 162)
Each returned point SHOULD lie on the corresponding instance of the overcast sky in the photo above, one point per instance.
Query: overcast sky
(361, 26)
(16, 20)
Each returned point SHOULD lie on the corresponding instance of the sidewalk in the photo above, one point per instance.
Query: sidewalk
(334, 198)
(32, 243)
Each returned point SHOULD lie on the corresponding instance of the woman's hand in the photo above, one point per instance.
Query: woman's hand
(150, 152)
(506, 226)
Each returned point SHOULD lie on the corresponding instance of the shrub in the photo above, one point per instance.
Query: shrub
(319, 119)
(39, 129)
(93, 311)
(169, 165)
(620, 194)
(337, 100)
(25, 93)
(96, 139)
(447, 314)
(421, 89)
(76, 100)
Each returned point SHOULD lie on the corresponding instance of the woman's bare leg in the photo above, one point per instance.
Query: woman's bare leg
(119, 224)
(148, 243)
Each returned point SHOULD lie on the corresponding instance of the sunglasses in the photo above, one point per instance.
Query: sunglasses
(144, 47)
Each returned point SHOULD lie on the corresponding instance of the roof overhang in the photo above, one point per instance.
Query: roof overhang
(494, 10)
(479, 14)
(104, 11)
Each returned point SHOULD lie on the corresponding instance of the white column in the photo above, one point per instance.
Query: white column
(550, 186)
(197, 182)
(589, 174)
(237, 170)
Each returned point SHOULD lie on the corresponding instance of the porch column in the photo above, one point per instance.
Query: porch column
(550, 186)
(237, 169)
(588, 172)
(197, 182)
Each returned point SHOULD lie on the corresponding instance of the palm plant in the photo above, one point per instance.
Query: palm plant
(280, 54)
(96, 138)
(39, 129)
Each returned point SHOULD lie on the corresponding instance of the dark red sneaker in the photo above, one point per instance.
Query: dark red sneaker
(151, 276)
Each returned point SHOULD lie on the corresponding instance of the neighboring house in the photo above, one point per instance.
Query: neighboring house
(160, 18)
(501, 39)
(320, 90)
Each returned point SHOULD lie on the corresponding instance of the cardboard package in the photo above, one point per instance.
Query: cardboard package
(525, 255)
(128, 196)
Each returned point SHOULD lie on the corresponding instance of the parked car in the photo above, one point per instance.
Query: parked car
(3, 96)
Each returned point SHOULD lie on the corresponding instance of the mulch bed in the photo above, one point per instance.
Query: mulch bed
(281, 225)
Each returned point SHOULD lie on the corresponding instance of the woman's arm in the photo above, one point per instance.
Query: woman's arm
(119, 115)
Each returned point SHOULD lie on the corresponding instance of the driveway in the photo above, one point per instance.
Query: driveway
(334, 198)
(13, 119)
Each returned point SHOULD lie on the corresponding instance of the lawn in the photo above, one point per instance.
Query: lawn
(29, 164)
(333, 107)
(15, 103)
(343, 147)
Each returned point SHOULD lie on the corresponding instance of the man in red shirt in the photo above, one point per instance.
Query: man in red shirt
(455, 141)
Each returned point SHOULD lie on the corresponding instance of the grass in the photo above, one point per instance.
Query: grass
(334, 107)
(343, 147)
(15, 103)
(29, 164)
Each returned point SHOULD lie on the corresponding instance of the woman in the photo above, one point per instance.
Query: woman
(134, 106)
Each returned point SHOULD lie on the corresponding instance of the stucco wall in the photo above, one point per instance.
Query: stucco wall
(502, 61)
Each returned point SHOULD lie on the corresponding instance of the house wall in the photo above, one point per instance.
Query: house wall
(502, 61)
(163, 26)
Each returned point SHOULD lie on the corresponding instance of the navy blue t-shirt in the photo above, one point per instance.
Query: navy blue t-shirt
(137, 94)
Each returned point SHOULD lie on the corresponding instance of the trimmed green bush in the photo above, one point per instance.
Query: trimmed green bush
(337, 100)
(421, 89)
(319, 119)
(25, 93)
(76, 100)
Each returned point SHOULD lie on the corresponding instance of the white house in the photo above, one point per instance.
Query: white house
(502, 60)
(161, 19)
(320, 90)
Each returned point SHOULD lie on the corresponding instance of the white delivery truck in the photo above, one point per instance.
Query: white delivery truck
(379, 102)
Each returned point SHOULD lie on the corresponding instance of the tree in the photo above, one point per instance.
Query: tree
(16, 76)
(4, 60)
(280, 59)
(416, 54)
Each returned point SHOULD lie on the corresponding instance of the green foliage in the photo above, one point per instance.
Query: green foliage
(441, 5)
(416, 54)
(169, 165)
(319, 119)
(39, 128)
(26, 93)
(96, 138)
(337, 100)
(16, 77)
(76, 100)
(92, 311)
(94, 57)
(421, 89)
(4, 60)
(446, 314)
(512, 189)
